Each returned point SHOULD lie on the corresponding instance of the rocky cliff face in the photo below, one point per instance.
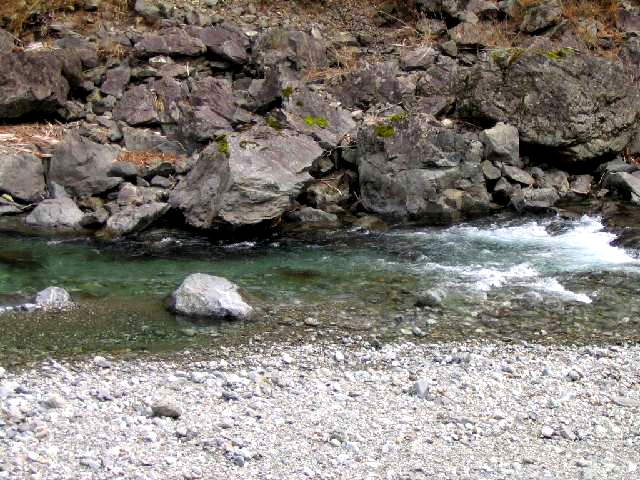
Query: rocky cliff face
(233, 121)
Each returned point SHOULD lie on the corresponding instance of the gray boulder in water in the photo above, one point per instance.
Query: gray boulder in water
(53, 298)
(56, 213)
(202, 295)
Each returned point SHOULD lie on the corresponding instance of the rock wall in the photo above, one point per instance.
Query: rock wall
(227, 126)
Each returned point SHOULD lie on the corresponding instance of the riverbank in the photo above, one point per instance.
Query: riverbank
(329, 410)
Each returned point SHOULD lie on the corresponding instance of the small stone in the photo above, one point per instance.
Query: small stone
(547, 432)
(102, 362)
(54, 401)
(574, 375)
(338, 356)
(566, 433)
(421, 388)
(286, 358)
(624, 402)
(166, 409)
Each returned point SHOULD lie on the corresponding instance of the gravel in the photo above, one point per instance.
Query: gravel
(400, 411)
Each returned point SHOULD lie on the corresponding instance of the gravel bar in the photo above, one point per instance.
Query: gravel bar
(329, 411)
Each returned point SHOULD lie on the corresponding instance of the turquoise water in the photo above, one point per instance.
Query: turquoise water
(518, 278)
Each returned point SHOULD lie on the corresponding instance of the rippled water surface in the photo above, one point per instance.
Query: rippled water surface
(514, 278)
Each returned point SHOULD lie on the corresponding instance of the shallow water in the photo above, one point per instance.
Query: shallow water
(512, 278)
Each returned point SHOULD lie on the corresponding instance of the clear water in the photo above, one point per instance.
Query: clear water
(502, 275)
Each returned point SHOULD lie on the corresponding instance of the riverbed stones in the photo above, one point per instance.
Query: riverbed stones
(53, 298)
(246, 179)
(207, 296)
(583, 106)
(22, 176)
(57, 214)
(82, 166)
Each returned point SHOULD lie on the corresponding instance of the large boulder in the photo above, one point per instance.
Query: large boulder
(247, 178)
(22, 176)
(209, 111)
(82, 166)
(624, 184)
(56, 214)
(502, 144)
(580, 105)
(227, 42)
(170, 41)
(543, 15)
(138, 106)
(206, 296)
(36, 81)
(296, 49)
(415, 168)
(375, 83)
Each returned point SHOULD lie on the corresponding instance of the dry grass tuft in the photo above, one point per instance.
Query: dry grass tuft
(28, 138)
(19, 16)
(148, 158)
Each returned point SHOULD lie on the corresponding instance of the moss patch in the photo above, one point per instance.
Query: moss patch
(384, 130)
(506, 57)
(557, 54)
(223, 146)
(316, 121)
(398, 117)
(274, 123)
(287, 92)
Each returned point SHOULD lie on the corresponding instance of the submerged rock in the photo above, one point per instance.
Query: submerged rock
(53, 298)
(207, 296)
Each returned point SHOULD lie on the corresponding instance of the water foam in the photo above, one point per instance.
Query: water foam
(526, 255)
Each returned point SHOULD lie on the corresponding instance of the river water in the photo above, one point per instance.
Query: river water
(542, 278)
